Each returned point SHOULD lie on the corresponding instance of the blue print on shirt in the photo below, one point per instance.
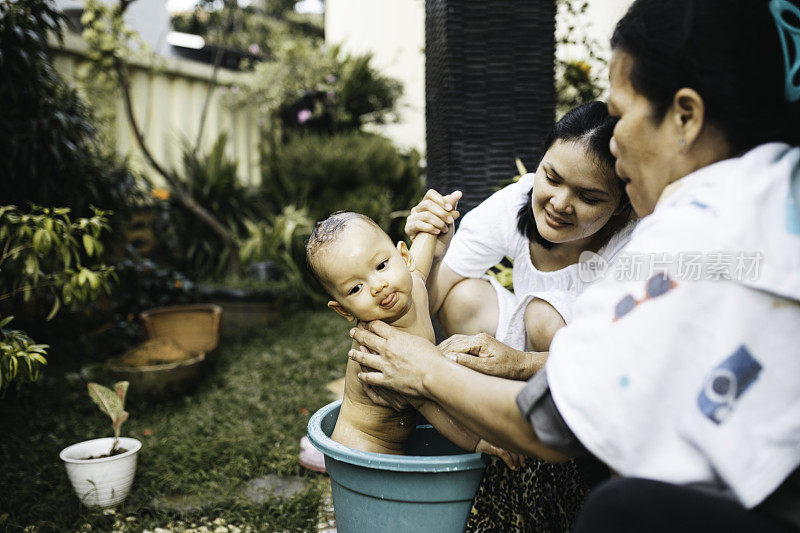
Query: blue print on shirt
(725, 383)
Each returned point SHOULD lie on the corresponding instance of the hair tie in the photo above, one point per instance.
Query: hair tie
(788, 31)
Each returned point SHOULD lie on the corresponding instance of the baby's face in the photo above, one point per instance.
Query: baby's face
(366, 274)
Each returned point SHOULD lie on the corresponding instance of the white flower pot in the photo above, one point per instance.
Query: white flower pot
(103, 482)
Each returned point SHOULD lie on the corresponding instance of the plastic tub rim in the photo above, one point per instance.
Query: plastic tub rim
(382, 461)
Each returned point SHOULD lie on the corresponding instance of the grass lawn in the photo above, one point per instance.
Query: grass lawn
(242, 422)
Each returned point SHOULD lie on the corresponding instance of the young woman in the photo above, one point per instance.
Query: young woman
(572, 204)
(688, 378)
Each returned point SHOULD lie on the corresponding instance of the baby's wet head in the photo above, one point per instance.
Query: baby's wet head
(329, 231)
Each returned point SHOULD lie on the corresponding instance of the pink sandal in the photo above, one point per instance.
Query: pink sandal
(310, 457)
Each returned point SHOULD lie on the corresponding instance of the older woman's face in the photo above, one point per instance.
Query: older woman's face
(645, 149)
(573, 196)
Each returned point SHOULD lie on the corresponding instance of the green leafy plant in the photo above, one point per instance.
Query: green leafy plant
(46, 262)
(211, 180)
(112, 403)
(49, 154)
(259, 29)
(319, 89)
(16, 348)
(348, 171)
(577, 81)
(281, 239)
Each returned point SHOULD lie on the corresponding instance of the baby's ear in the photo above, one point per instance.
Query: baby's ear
(336, 306)
(406, 255)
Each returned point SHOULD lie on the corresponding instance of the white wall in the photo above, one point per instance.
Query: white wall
(394, 32)
(597, 23)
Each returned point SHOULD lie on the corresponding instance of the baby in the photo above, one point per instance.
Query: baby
(371, 279)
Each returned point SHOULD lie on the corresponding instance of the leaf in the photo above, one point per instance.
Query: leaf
(520, 167)
(38, 358)
(106, 400)
(6, 321)
(88, 243)
(54, 310)
(121, 387)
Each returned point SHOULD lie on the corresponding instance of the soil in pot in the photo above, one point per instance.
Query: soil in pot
(154, 352)
(116, 451)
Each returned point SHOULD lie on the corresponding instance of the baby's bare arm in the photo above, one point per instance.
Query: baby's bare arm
(422, 252)
(446, 425)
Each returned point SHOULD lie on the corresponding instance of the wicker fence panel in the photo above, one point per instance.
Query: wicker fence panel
(489, 91)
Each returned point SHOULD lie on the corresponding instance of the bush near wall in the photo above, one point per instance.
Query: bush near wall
(349, 171)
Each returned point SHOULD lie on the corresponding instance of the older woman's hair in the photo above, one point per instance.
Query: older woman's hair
(729, 52)
(590, 125)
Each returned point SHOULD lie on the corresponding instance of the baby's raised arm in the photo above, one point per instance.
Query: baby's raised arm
(432, 218)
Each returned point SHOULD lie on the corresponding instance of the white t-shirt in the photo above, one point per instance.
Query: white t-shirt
(489, 232)
(695, 380)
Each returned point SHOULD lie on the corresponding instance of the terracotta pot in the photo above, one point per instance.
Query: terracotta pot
(194, 327)
(159, 380)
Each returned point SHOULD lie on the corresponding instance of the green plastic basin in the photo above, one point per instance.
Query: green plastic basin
(429, 489)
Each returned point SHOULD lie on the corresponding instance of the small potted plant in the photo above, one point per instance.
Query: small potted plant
(102, 470)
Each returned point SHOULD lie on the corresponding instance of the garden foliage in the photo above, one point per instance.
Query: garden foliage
(48, 260)
(211, 180)
(319, 89)
(257, 29)
(351, 171)
(48, 149)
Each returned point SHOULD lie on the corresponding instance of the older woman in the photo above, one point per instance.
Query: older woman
(687, 376)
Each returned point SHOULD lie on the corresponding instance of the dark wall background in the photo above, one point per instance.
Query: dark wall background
(489, 91)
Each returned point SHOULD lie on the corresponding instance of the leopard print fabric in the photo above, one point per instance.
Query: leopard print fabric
(542, 497)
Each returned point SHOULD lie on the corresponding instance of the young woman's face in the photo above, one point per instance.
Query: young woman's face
(645, 148)
(573, 194)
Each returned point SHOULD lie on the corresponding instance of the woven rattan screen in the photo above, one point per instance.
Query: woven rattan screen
(489, 91)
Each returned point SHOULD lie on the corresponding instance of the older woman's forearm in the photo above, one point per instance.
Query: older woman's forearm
(487, 406)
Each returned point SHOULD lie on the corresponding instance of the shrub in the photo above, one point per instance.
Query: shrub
(48, 150)
(47, 260)
(212, 182)
(281, 240)
(352, 171)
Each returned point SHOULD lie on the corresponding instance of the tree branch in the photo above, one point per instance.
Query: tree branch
(182, 196)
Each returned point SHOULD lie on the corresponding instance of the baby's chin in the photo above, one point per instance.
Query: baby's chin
(389, 316)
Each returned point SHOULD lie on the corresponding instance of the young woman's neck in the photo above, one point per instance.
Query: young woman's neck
(563, 254)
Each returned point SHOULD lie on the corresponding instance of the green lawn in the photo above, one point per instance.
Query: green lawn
(242, 422)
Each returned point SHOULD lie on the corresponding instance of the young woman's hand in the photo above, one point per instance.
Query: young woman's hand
(488, 355)
(435, 214)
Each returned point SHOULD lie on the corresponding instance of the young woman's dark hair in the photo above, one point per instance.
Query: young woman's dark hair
(729, 52)
(591, 125)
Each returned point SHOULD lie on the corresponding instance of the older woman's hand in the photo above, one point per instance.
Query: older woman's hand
(402, 361)
(435, 214)
(488, 355)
